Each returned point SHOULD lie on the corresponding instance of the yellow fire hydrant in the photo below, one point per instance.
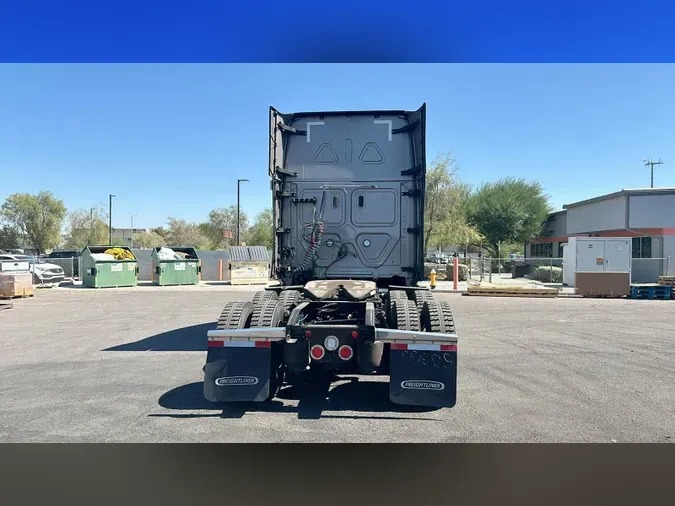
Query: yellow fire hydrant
(432, 278)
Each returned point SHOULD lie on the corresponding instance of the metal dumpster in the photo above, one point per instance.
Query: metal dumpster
(97, 273)
(183, 271)
(249, 265)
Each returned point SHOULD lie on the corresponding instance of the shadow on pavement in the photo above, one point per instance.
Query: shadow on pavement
(352, 395)
(191, 338)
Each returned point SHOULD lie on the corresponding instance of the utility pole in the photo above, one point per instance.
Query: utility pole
(132, 231)
(651, 166)
(110, 218)
(238, 221)
(91, 224)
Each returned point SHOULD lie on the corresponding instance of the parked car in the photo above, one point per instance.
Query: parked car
(43, 272)
(65, 253)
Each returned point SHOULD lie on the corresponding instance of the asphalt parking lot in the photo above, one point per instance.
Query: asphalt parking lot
(126, 365)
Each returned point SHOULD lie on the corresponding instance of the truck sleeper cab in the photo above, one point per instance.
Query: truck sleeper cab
(348, 206)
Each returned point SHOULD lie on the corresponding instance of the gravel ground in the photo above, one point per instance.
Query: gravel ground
(125, 365)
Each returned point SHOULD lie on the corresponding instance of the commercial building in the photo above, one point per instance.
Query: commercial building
(646, 215)
(126, 234)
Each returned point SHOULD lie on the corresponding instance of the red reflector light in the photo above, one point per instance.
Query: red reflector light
(355, 334)
(317, 352)
(345, 352)
(216, 344)
(263, 344)
(399, 346)
(308, 333)
(448, 347)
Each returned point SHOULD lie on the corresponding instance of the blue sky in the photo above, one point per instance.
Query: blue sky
(171, 140)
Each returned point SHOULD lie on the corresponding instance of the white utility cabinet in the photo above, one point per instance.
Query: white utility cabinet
(595, 254)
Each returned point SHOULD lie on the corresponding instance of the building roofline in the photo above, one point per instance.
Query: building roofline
(555, 213)
(620, 193)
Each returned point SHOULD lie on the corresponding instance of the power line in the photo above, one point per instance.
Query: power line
(651, 166)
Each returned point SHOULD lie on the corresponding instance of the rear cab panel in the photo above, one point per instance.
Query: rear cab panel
(361, 174)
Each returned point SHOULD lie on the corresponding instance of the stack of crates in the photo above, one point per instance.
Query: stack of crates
(668, 281)
(16, 280)
(107, 273)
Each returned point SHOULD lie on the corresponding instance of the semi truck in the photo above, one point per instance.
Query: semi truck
(348, 193)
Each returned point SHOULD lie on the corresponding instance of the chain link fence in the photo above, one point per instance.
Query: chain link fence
(70, 266)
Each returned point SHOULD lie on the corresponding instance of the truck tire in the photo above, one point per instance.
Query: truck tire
(404, 315)
(392, 296)
(269, 313)
(236, 315)
(289, 299)
(422, 296)
(264, 295)
(397, 294)
(437, 317)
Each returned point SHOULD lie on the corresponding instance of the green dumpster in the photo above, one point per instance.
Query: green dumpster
(175, 266)
(101, 270)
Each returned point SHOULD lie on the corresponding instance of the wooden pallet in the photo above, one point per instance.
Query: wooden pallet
(512, 292)
(17, 296)
(667, 280)
(651, 292)
(603, 296)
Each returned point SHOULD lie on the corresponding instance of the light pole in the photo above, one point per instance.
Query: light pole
(131, 240)
(110, 218)
(238, 223)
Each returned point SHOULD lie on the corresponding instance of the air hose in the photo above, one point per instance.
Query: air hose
(314, 244)
(315, 241)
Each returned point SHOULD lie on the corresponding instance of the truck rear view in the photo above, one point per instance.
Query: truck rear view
(348, 205)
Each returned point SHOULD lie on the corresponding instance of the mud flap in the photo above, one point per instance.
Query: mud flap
(238, 373)
(423, 377)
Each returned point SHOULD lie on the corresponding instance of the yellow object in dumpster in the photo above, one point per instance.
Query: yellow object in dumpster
(120, 254)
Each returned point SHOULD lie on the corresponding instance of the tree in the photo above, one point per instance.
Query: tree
(160, 231)
(261, 233)
(39, 217)
(149, 240)
(183, 233)
(87, 227)
(224, 220)
(508, 210)
(9, 237)
(444, 207)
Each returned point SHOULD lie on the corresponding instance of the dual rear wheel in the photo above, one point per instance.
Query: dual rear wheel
(424, 314)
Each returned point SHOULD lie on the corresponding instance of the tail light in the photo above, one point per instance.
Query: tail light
(317, 352)
(345, 352)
